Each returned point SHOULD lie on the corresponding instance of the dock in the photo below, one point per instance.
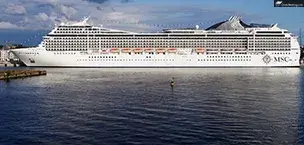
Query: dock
(15, 74)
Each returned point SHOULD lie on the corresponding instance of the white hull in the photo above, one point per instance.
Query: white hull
(39, 57)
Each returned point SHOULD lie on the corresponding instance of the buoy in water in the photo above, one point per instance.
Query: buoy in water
(172, 82)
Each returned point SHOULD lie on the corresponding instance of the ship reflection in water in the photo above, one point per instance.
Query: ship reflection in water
(138, 106)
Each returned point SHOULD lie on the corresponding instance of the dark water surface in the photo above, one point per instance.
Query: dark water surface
(137, 106)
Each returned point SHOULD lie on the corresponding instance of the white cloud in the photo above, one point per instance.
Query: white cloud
(43, 14)
(52, 2)
(42, 17)
(15, 9)
(68, 11)
(8, 25)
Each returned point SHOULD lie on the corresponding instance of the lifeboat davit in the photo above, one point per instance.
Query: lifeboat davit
(104, 51)
(160, 50)
(114, 50)
(126, 50)
(200, 50)
(172, 50)
(148, 50)
(138, 50)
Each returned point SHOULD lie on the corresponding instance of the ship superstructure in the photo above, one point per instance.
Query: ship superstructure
(230, 43)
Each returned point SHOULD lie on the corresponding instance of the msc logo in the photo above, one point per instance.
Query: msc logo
(267, 59)
(282, 59)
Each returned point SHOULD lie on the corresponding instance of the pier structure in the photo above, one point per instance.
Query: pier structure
(3, 55)
(15, 74)
(8, 59)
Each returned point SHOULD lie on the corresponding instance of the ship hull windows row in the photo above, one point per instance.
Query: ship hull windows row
(48, 49)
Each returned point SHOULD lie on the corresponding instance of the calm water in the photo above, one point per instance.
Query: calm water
(137, 106)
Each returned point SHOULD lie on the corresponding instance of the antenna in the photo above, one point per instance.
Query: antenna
(230, 18)
(86, 19)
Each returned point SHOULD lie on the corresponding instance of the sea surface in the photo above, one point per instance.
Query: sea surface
(207, 106)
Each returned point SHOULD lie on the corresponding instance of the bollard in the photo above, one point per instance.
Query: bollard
(6, 75)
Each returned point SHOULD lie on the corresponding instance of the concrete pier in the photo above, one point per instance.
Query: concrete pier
(15, 74)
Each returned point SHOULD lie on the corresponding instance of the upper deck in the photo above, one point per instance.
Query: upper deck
(233, 26)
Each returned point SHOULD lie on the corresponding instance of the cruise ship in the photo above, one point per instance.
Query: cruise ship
(230, 43)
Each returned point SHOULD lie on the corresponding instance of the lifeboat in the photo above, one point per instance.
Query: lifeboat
(138, 50)
(172, 50)
(199, 50)
(114, 50)
(160, 50)
(103, 51)
(148, 50)
(126, 50)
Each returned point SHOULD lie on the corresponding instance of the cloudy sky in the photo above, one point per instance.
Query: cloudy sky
(24, 21)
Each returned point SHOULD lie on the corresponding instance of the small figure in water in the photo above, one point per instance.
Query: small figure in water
(172, 82)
